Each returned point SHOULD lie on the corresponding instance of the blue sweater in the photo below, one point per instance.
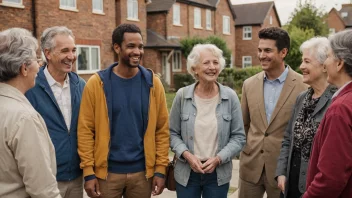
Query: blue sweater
(65, 142)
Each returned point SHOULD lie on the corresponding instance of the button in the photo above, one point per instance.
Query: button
(194, 114)
(191, 138)
(262, 151)
(303, 173)
(266, 134)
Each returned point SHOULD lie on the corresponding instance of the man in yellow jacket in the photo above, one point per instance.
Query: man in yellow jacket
(123, 130)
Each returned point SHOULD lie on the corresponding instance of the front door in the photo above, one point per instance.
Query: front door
(166, 68)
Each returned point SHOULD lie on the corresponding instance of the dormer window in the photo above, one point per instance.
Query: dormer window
(344, 14)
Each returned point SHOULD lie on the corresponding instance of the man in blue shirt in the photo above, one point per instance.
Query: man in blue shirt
(267, 102)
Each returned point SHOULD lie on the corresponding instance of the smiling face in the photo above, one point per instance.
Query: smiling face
(269, 56)
(131, 50)
(208, 67)
(312, 70)
(62, 57)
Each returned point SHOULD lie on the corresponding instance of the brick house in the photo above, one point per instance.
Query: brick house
(169, 21)
(340, 20)
(251, 18)
(92, 23)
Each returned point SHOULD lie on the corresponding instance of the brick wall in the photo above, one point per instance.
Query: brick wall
(16, 17)
(157, 23)
(334, 21)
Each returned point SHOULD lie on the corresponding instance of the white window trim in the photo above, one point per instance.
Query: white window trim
(12, 4)
(200, 18)
(173, 62)
(332, 31)
(243, 62)
(223, 25)
(133, 18)
(178, 7)
(271, 20)
(90, 60)
(244, 33)
(95, 11)
(69, 8)
(208, 19)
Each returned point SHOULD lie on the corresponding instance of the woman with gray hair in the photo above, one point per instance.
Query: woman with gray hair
(307, 113)
(27, 156)
(206, 128)
(330, 167)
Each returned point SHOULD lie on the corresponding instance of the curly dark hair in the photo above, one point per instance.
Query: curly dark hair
(118, 34)
(279, 35)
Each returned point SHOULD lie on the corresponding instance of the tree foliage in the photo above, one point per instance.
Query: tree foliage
(188, 43)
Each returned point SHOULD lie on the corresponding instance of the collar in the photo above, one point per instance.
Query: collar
(52, 81)
(281, 78)
(339, 90)
(190, 91)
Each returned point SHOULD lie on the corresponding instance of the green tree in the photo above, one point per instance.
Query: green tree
(188, 43)
(298, 36)
(306, 16)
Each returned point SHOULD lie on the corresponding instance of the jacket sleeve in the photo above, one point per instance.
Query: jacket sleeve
(237, 138)
(176, 141)
(282, 160)
(162, 134)
(245, 110)
(33, 159)
(86, 128)
(334, 167)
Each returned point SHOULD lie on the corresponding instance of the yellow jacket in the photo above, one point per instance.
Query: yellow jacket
(94, 131)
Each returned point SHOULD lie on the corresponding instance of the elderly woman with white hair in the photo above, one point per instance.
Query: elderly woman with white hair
(27, 156)
(330, 167)
(206, 128)
(307, 113)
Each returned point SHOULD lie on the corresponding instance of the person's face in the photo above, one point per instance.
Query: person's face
(131, 50)
(62, 57)
(331, 64)
(269, 56)
(208, 67)
(312, 70)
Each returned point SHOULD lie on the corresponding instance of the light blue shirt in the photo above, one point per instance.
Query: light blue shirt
(272, 91)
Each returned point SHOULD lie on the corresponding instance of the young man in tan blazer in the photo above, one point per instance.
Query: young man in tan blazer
(267, 102)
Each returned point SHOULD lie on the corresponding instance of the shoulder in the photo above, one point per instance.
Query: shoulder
(253, 78)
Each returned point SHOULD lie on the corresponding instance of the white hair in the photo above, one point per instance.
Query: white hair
(318, 47)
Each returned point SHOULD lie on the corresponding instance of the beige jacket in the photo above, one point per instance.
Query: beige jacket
(27, 156)
(264, 139)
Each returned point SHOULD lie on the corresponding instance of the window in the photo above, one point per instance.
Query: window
(246, 61)
(68, 4)
(344, 14)
(331, 30)
(177, 61)
(247, 32)
(98, 6)
(14, 2)
(88, 58)
(271, 20)
(176, 14)
(208, 19)
(197, 18)
(226, 25)
(132, 9)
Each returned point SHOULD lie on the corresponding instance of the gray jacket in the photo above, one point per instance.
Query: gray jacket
(284, 160)
(231, 136)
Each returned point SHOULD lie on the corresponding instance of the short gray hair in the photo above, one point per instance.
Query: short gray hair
(341, 44)
(17, 47)
(193, 58)
(317, 46)
(47, 38)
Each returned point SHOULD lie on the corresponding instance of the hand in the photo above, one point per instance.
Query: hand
(92, 188)
(194, 162)
(158, 185)
(281, 180)
(210, 165)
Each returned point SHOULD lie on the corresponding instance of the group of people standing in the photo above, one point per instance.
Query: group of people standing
(111, 135)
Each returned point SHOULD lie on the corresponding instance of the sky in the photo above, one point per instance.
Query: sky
(286, 7)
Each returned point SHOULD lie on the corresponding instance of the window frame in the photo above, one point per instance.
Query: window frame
(8, 2)
(179, 68)
(332, 31)
(271, 20)
(96, 10)
(64, 7)
(90, 70)
(197, 12)
(244, 61)
(208, 19)
(176, 7)
(134, 13)
(244, 37)
(226, 20)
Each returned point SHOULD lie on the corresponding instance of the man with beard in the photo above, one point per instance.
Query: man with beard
(267, 102)
(56, 96)
(123, 130)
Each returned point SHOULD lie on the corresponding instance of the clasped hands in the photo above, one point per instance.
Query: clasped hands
(197, 166)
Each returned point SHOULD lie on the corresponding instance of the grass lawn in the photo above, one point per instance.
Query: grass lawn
(169, 99)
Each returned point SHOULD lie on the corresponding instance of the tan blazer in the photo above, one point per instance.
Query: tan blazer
(264, 139)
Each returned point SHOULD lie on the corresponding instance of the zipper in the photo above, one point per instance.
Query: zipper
(107, 159)
(145, 156)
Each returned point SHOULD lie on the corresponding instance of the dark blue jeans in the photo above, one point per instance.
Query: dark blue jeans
(202, 185)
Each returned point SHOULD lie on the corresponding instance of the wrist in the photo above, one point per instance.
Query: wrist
(219, 160)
